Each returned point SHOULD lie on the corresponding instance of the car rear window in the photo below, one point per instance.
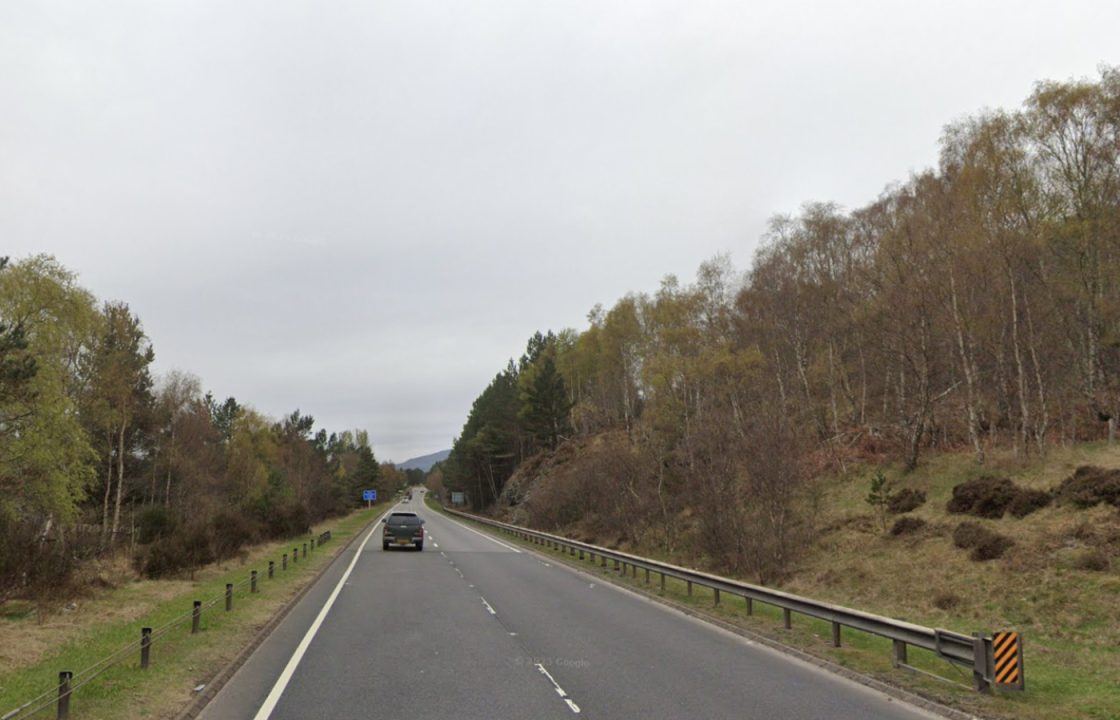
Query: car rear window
(403, 519)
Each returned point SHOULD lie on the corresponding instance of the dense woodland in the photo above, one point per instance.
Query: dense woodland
(973, 306)
(99, 457)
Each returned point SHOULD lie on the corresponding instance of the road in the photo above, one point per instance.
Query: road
(475, 628)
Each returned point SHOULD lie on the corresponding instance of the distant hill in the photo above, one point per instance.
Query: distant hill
(424, 462)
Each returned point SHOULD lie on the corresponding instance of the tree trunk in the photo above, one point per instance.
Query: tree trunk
(832, 390)
(170, 459)
(155, 477)
(969, 374)
(120, 483)
(108, 493)
(1021, 376)
(862, 386)
(1043, 424)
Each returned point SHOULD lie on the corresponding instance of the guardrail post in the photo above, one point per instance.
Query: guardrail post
(64, 694)
(835, 634)
(899, 653)
(616, 564)
(604, 563)
(145, 647)
(295, 555)
(647, 576)
(689, 587)
(662, 582)
(750, 605)
(715, 600)
(284, 562)
(787, 618)
(980, 674)
(271, 569)
(581, 553)
(252, 581)
(633, 570)
(196, 616)
(229, 596)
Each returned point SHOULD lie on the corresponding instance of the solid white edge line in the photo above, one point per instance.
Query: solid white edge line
(281, 684)
(476, 532)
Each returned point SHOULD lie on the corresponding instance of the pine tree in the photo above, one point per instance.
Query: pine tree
(544, 402)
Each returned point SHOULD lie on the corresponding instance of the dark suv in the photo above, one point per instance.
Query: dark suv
(402, 529)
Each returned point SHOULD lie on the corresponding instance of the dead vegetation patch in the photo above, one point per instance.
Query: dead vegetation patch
(984, 543)
(986, 496)
(1090, 485)
(908, 525)
(1027, 501)
(906, 500)
(990, 497)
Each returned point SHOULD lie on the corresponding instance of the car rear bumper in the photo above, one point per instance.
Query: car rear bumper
(402, 542)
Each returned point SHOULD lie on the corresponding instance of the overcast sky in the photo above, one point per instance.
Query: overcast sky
(363, 209)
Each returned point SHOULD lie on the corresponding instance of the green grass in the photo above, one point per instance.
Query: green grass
(179, 660)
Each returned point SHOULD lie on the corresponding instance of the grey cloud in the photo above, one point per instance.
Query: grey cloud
(363, 209)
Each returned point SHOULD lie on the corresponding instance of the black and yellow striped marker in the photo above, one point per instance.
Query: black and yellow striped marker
(1007, 653)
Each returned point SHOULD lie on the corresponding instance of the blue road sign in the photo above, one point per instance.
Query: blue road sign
(369, 495)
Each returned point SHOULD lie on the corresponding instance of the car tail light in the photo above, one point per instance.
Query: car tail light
(419, 533)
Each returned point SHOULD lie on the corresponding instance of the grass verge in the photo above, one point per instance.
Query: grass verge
(180, 661)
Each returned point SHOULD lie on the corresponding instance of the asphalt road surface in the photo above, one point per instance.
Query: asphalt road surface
(475, 628)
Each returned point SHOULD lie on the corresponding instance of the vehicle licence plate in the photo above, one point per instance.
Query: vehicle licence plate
(403, 541)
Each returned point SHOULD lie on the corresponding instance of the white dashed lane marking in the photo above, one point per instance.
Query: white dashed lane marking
(490, 609)
(559, 690)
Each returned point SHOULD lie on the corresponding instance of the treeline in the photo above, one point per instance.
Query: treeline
(975, 305)
(97, 455)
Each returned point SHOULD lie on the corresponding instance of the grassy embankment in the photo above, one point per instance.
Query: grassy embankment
(1069, 615)
(32, 653)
